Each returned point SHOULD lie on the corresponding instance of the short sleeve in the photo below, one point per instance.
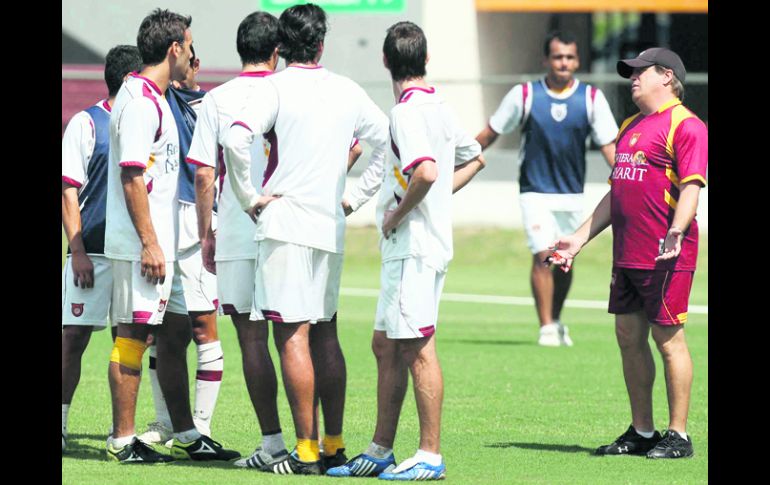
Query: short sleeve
(77, 146)
(410, 138)
(204, 146)
(508, 114)
(691, 151)
(138, 124)
(604, 129)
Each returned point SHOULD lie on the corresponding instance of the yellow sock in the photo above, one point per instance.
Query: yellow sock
(332, 444)
(307, 450)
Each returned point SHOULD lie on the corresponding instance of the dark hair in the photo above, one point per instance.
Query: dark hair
(120, 60)
(406, 50)
(157, 32)
(563, 37)
(257, 37)
(301, 29)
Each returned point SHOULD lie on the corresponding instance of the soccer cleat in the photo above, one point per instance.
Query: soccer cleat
(364, 465)
(260, 458)
(672, 446)
(335, 460)
(202, 449)
(549, 335)
(411, 469)
(564, 335)
(291, 465)
(158, 433)
(136, 452)
(629, 443)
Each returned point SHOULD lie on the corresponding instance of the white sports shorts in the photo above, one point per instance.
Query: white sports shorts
(235, 286)
(295, 283)
(546, 217)
(134, 300)
(87, 306)
(199, 287)
(410, 291)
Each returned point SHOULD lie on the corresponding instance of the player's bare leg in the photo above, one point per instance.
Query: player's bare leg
(258, 371)
(392, 382)
(420, 355)
(74, 340)
(172, 339)
(293, 344)
(330, 374)
(677, 363)
(632, 332)
(124, 384)
(542, 282)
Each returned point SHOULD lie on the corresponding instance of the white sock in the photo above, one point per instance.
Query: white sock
(122, 441)
(378, 451)
(188, 436)
(645, 434)
(161, 411)
(65, 409)
(430, 458)
(682, 434)
(273, 443)
(208, 380)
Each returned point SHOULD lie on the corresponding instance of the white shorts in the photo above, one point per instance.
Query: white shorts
(295, 283)
(410, 291)
(198, 285)
(87, 306)
(134, 300)
(546, 217)
(235, 286)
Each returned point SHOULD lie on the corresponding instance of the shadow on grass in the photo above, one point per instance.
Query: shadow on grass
(543, 447)
(488, 342)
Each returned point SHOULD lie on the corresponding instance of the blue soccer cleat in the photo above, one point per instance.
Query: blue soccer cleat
(363, 465)
(411, 469)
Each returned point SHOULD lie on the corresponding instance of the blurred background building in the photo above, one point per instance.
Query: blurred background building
(478, 50)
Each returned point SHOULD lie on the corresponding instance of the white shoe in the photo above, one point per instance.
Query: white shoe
(158, 433)
(549, 335)
(564, 335)
(260, 458)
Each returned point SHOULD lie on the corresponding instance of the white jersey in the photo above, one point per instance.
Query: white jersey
(77, 146)
(423, 129)
(235, 231)
(318, 114)
(143, 134)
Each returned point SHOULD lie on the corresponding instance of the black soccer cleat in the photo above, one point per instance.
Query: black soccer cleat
(630, 443)
(337, 459)
(291, 465)
(672, 446)
(202, 449)
(136, 452)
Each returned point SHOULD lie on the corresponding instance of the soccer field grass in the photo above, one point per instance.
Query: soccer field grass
(513, 412)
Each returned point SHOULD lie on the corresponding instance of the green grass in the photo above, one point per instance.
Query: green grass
(513, 412)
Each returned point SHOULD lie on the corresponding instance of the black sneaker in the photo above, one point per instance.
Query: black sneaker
(630, 443)
(136, 452)
(291, 465)
(337, 459)
(202, 449)
(672, 446)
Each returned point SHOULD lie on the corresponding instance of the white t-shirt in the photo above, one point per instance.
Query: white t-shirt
(77, 146)
(423, 129)
(143, 133)
(318, 114)
(235, 229)
(508, 116)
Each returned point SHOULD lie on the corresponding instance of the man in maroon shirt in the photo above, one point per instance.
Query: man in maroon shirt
(660, 166)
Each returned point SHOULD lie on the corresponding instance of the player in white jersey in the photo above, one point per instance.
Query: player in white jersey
(430, 158)
(230, 252)
(141, 242)
(87, 274)
(300, 221)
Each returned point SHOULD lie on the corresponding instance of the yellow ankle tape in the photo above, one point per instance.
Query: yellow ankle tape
(332, 444)
(128, 352)
(307, 450)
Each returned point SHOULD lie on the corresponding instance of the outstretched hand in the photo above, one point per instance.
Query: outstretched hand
(564, 250)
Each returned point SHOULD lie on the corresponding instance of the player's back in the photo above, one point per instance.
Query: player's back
(317, 118)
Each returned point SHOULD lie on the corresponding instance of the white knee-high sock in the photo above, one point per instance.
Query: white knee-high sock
(208, 379)
(161, 411)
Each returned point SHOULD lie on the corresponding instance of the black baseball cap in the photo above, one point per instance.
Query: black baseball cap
(650, 57)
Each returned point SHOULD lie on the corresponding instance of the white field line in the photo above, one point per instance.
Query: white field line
(507, 300)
